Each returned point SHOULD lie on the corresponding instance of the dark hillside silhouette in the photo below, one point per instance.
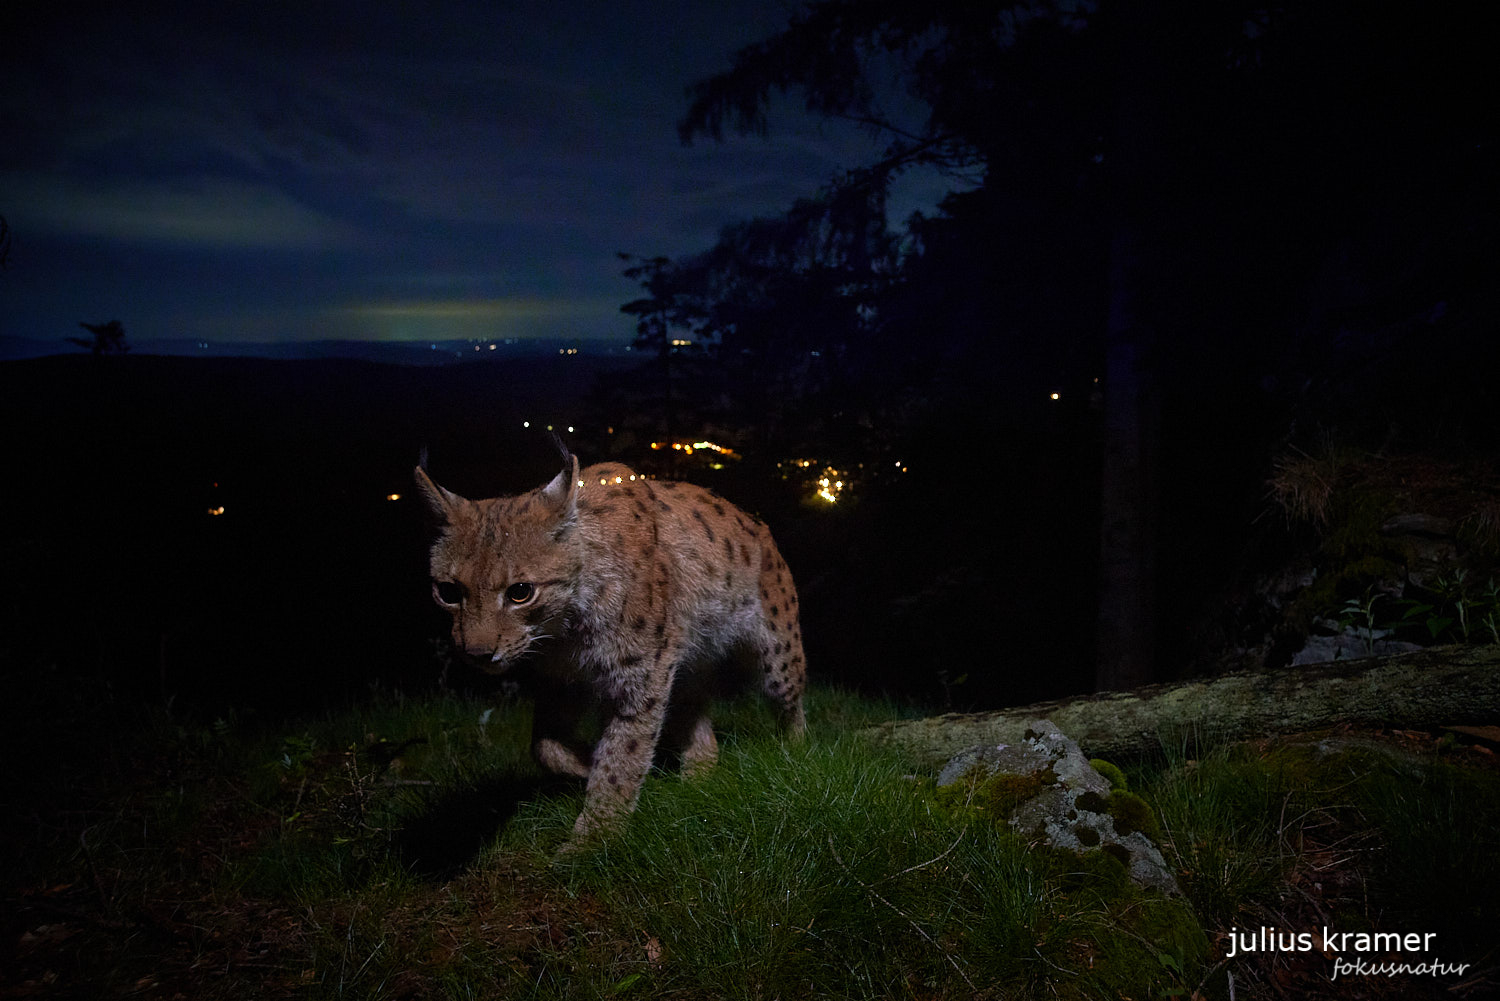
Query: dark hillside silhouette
(219, 530)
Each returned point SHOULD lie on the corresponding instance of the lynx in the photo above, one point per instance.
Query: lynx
(623, 592)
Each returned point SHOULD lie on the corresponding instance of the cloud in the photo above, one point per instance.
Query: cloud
(483, 309)
(198, 212)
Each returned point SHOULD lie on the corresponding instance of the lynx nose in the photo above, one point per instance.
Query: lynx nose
(476, 650)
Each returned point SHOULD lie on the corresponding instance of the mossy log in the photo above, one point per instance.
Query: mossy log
(1432, 687)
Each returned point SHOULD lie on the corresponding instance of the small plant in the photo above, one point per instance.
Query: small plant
(297, 752)
(1453, 611)
(1360, 614)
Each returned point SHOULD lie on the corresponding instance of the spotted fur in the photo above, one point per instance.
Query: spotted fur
(633, 592)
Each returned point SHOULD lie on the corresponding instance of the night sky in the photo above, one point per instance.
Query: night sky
(372, 171)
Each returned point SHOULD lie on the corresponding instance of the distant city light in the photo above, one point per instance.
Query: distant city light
(526, 424)
(392, 497)
(830, 485)
(216, 511)
(570, 429)
(689, 447)
(1056, 396)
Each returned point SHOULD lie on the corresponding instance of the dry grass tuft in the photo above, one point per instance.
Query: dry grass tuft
(1302, 486)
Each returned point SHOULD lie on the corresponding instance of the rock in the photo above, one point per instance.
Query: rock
(1418, 524)
(1427, 546)
(1350, 643)
(1076, 808)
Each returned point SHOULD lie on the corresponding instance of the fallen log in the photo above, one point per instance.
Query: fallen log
(1433, 687)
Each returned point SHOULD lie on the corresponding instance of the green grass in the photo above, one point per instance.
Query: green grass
(808, 871)
(1222, 818)
(407, 848)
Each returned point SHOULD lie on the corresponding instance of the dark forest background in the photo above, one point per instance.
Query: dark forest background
(1182, 240)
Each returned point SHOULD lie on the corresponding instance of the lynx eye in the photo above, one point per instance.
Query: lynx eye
(448, 592)
(520, 594)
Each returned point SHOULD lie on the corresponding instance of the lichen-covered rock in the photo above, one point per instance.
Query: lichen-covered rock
(1069, 804)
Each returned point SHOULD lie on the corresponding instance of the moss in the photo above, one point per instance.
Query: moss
(994, 796)
(1093, 802)
(1097, 871)
(1000, 794)
(1131, 813)
(1122, 940)
(1111, 772)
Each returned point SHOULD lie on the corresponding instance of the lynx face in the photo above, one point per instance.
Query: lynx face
(506, 569)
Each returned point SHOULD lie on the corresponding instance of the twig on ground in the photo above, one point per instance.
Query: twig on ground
(909, 920)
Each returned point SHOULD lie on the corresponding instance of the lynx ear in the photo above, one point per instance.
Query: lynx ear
(562, 492)
(443, 504)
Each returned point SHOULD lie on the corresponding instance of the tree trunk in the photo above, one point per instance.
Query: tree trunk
(1126, 636)
(1432, 687)
(1128, 511)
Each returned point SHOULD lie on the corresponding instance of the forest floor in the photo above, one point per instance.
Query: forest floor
(406, 848)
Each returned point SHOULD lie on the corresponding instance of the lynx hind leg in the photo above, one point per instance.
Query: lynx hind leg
(789, 702)
(782, 664)
(702, 750)
(554, 721)
(687, 736)
(555, 756)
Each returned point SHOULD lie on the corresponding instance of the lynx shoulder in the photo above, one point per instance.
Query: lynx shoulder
(632, 593)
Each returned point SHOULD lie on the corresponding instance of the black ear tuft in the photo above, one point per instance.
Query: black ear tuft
(441, 503)
(422, 457)
(567, 457)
